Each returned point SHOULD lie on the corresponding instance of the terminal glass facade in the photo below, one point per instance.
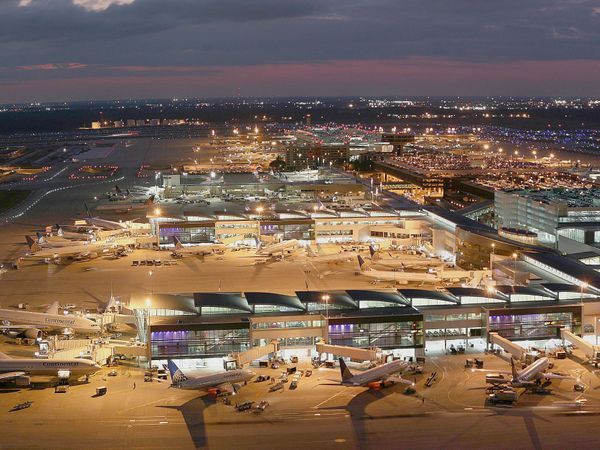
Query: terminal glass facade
(196, 234)
(542, 325)
(388, 334)
(197, 343)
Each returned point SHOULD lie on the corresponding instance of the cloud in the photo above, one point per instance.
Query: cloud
(54, 66)
(155, 37)
(90, 5)
(100, 5)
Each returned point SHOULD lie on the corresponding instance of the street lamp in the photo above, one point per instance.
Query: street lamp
(514, 255)
(325, 298)
(492, 258)
(584, 286)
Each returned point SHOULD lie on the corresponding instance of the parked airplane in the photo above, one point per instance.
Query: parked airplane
(126, 207)
(56, 242)
(196, 249)
(532, 375)
(30, 324)
(405, 262)
(376, 377)
(399, 277)
(74, 235)
(276, 249)
(14, 368)
(330, 258)
(103, 223)
(72, 251)
(214, 384)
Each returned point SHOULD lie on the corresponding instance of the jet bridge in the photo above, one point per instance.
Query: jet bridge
(592, 352)
(243, 358)
(513, 348)
(355, 354)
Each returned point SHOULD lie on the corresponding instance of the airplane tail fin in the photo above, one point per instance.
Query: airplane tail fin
(40, 238)
(53, 308)
(310, 251)
(59, 230)
(4, 356)
(87, 210)
(177, 375)
(128, 192)
(372, 251)
(150, 200)
(33, 246)
(118, 189)
(361, 263)
(513, 369)
(346, 374)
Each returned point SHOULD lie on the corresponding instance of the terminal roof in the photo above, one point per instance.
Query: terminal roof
(427, 295)
(377, 296)
(475, 292)
(233, 300)
(338, 298)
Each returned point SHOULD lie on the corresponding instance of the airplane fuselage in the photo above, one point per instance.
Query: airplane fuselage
(52, 321)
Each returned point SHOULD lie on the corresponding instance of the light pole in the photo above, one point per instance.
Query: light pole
(514, 255)
(325, 298)
(492, 258)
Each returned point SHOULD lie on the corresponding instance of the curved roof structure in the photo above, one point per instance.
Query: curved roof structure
(523, 290)
(424, 294)
(334, 298)
(269, 298)
(564, 287)
(233, 300)
(163, 301)
(377, 296)
(476, 292)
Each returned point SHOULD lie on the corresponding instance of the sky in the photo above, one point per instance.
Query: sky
(55, 50)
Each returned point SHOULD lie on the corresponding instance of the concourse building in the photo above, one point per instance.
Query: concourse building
(213, 326)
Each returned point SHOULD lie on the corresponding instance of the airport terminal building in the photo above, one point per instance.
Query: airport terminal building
(405, 322)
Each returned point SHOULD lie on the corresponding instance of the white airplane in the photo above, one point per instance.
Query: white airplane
(103, 223)
(399, 277)
(532, 375)
(126, 207)
(56, 242)
(30, 324)
(214, 384)
(376, 377)
(276, 249)
(405, 262)
(73, 235)
(197, 249)
(330, 258)
(14, 368)
(86, 251)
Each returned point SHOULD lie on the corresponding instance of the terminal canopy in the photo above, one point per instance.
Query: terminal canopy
(424, 297)
(336, 298)
(163, 301)
(269, 298)
(232, 300)
(365, 296)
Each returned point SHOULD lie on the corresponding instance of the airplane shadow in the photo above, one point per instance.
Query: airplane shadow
(358, 415)
(193, 414)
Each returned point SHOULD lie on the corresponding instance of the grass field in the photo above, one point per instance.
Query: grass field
(10, 199)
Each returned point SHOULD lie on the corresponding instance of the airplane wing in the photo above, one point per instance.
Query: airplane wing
(10, 375)
(22, 327)
(557, 376)
(397, 379)
(226, 387)
(503, 372)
